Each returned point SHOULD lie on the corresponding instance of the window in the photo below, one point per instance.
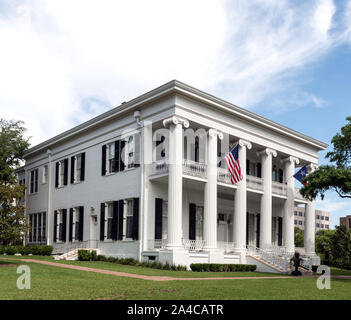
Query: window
(326, 218)
(33, 188)
(199, 222)
(326, 226)
(300, 214)
(110, 165)
(317, 225)
(61, 173)
(322, 217)
(60, 223)
(317, 216)
(109, 219)
(322, 225)
(274, 173)
(78, 168)
(164, 219)
(295, 213)
(112, 157)
(300, 223)
(131, 151)
(45, 174)
(128, 219)
(295, 221)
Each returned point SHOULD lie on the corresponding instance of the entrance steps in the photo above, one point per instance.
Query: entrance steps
(72, 254)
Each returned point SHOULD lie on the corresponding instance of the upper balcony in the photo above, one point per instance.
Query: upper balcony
(192, 169)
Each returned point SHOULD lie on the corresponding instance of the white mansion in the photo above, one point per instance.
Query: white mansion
(147, 180)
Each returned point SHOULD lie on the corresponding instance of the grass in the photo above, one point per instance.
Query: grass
(49, 282)
(150, 271)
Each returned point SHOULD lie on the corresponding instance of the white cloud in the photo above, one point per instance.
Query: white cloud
(63, 62)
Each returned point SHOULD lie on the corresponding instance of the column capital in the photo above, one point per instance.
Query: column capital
(312, 167)
(214, 133)
(174, 120)
(245, 143)
(267, 152)
(290, 159)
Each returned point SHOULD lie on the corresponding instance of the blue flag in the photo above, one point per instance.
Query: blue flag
(302, 173)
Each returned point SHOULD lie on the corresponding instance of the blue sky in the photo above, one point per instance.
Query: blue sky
(63, 62)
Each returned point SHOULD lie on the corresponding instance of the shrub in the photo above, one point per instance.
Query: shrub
(93, 255)
(11, 250)
(101, 258)
(216, 267)
(84, 255)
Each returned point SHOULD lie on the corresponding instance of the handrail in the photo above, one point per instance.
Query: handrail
(65, 247)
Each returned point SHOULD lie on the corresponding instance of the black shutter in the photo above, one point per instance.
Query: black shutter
(120, 219)
(158, 218)
(137, 150)
(65, 176)
(36, 180)
(82, 166)
(259, 170)
(280, 174)
(121, 154)
(73, 159)
(135, 228)
(55, 225)
(57, 174)
(64, 224)
(103, 160)
(247, 166)
(117, 156)
(114, 227)
(280, 231)
(81, 223)
(70, 233)
(102, 222)
(258, 230)
(247, 228)
(192, 221)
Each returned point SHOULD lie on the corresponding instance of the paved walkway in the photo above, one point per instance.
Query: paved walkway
(156, 278)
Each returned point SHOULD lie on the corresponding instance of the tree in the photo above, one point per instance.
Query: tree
(13, 145)
(323, 245)
(299, 237)
(341, 247)
(335, 177)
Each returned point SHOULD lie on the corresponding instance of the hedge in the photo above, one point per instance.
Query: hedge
(39, 250)
(217, 267)
(85, 255)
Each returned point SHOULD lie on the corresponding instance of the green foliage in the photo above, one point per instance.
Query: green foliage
(341, 247)
(13, 145)
(84, 255)
(299, 237)
(216, 267)
(39, 250)
(333, 177)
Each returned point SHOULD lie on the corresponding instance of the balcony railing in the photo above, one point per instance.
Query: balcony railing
(254, 182)
(279, 188)
(195, 169)
(223, 175)
(193, 245)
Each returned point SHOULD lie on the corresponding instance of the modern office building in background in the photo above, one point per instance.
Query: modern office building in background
(322, 219)
(345, 221)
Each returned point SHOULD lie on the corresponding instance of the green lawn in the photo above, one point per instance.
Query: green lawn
(49, 282)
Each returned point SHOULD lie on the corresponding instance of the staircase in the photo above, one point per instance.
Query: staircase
(73, 254)
(277, 260)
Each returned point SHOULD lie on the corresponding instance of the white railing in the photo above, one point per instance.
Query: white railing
(254, 182)
(193, 245)
(279, 188)
(193, 168)
(223, 175)
(278, 259)
(160, 167)
(69, 246)
(298, 195)
(227, 247)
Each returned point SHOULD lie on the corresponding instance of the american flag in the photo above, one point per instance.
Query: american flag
(233, 165)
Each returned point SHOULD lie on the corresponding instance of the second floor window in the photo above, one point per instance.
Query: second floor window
(78, 168)
(61, 176)
(33, 188)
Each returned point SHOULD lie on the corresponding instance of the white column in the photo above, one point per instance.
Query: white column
(175, 181)
(210, 203)
(310, 223)
(266, 199)
(239, 221)
(288, 218)
(49, 213)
